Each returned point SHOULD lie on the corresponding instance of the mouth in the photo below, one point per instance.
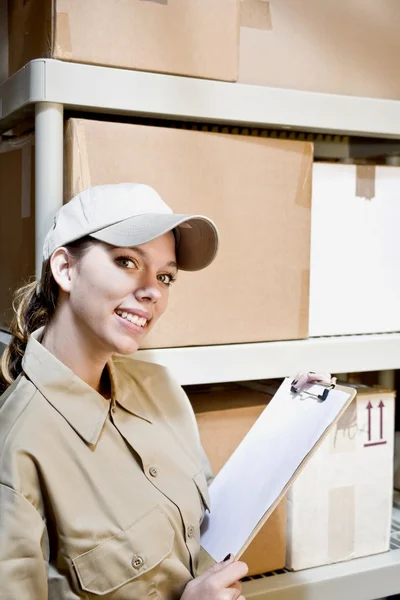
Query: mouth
(132, 320)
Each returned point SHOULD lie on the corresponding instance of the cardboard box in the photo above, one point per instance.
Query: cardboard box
(3, 40)
(396, 474)
(340, 506)
(17, 222)
(225, 414)
(256, 189)
(333, 46)
(198, 38)
(355, 250)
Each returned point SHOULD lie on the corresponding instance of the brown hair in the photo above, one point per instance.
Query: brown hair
(34, 305)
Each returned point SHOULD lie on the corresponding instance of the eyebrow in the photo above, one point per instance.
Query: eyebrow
(145, 255)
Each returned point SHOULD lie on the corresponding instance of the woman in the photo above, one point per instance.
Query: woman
(103, 481)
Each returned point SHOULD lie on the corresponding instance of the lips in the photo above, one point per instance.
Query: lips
(133, 317)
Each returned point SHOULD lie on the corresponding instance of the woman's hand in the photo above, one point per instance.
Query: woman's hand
(219, 582)
(304, 378)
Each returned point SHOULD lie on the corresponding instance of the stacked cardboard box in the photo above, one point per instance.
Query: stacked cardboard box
(355, 249)
(187, 37)
(3, 40)
(17, 223)
(258, 192)
(340, 506)
(336, 46)
(225, 414)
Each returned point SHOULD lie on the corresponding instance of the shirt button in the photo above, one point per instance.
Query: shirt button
(113, 409)
(153, 471)
(190, 531)
(137, 562)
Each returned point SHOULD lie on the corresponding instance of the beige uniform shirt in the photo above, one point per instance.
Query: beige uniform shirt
(98, 498)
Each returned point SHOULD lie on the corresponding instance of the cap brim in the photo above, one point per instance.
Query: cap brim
(197, 242)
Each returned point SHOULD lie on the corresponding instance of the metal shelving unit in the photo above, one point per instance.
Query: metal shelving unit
(47, 87)
(124, 92)
(43, 89)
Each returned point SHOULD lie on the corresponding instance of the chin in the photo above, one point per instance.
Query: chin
(126, 347)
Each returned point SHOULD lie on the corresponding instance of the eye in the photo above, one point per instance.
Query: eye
(167, 278)
(126, 262)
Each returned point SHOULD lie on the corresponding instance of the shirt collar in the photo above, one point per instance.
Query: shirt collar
(127, 389)
(83, 408)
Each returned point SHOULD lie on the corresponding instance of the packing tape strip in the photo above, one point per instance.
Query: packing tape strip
(304, 304)
(365, 181)
(341, 524)
(303, 192)
(255, 14)
(22, 144)
(63, 43)
(82, 170)
(26, 178)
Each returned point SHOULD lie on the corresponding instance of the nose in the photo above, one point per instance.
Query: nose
(148, 292)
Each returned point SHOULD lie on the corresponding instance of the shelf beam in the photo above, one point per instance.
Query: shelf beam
(267, 360)
(125, 92)
(360, 579)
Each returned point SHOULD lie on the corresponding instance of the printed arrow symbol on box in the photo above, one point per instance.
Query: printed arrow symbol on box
(369, 408)
(381, 407)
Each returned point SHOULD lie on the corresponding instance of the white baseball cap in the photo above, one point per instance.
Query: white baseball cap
(128, 215)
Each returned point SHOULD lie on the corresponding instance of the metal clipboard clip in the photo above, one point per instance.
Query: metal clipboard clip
(320, 397)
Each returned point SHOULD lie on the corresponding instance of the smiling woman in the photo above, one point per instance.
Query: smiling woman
(110, 298)
(103, 480)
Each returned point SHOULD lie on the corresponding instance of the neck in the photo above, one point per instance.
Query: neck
(70, 343)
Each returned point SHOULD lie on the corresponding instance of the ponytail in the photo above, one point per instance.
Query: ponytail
(34, 305)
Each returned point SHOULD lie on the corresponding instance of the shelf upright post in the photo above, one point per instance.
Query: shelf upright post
(49, 144)
(387, 379)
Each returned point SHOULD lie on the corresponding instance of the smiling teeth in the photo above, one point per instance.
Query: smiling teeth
(141, 321)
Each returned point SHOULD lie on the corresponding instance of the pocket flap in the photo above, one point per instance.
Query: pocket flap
(201, 484)
(126, 555)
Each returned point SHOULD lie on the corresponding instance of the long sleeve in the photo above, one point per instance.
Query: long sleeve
(23, 565)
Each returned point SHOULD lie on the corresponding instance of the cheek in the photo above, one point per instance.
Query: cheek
(93, 295)
(162, 304)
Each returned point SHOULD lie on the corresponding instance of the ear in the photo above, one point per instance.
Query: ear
(62, 265)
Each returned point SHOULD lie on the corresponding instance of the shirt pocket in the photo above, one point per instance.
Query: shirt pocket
(202, 487)
(127, 556)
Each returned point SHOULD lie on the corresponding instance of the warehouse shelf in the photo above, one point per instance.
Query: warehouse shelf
(125, 92)
(366, 578)
(360, 579)
(46, 88)
(267, 360)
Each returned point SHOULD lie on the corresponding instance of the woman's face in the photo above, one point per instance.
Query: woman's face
(117, 294)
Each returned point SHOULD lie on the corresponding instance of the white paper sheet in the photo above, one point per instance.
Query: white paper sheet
(263, 464)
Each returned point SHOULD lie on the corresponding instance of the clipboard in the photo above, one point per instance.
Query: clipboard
(265, 464)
